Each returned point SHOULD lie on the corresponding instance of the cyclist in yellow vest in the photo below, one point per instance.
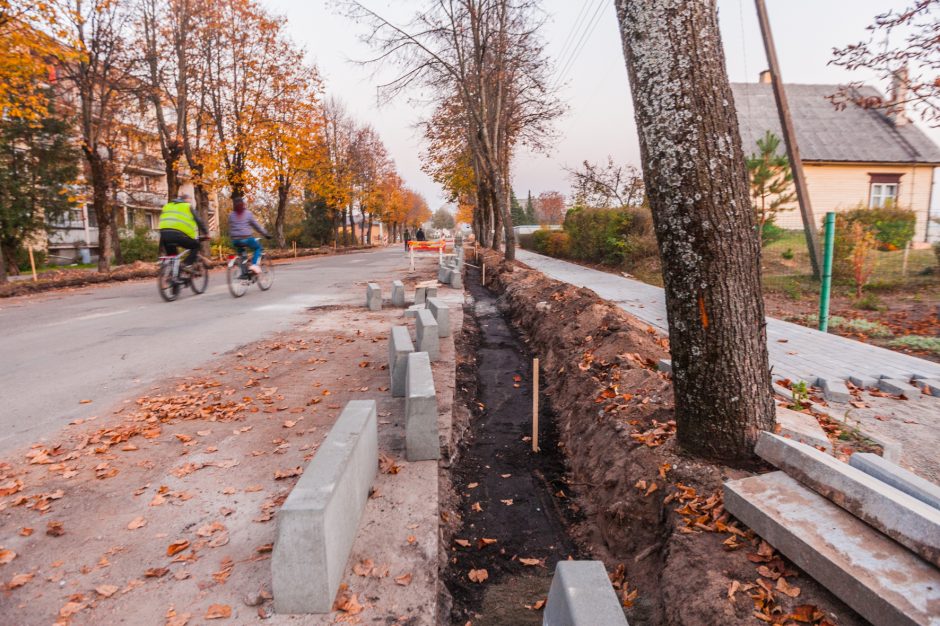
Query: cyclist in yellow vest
(179, 226)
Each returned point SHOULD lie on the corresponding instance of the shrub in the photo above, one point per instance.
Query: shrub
(771, 233)
(892, 229)
(558, 244)
(140, 246)
(22, 259)
(617, 237)
(540, 241)
(788, 254)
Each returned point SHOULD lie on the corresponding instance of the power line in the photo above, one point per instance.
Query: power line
(580, 26)
(577, 24)
(585, 37)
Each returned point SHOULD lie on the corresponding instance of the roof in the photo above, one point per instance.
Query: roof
(825, 133)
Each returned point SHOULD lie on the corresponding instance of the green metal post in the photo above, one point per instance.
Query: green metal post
(827, 272)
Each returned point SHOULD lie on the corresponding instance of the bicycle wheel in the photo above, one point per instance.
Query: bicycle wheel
(167, 287)
(199, 277)
(266, 278)
(237, 285)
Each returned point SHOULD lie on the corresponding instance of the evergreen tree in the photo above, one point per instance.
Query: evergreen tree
(515, 210)
(530, 216)
(38, 165)
(771, 182)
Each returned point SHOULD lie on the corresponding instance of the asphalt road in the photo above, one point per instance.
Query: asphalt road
(109, 343)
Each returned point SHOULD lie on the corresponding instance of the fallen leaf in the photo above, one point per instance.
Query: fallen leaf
(6, 556)
(404, 580)
(363, 568)
(84, 401)
(484, 541)
(70, 609)
(387, 464)
(55, 529)
(253, 488)
(207, 530)
(478, 575)
(19, 580)
(507, 502)
(476, 507)
(177, 546)
(289, 473)
(179, 620)
(26, 531)
(536, 606)
(106, 590)
(348, 603)
(411, 539)
(733, 589)
(473, 485)
(462, 542)
(137, 522)
(225, 570)
(156, 572)
(264, 549)
(784, 587)
(218, 611)
(531, 562)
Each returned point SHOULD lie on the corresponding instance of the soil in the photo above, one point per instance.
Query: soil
(653, 514)
(512, 507)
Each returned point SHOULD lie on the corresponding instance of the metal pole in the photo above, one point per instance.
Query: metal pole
(789, 138)
(827, 273)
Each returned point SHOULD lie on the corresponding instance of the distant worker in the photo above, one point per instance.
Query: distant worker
(179, 227)
(407, 238)
(420, 235)
(241, 223)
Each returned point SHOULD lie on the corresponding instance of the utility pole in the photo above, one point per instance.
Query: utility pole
(789, 138)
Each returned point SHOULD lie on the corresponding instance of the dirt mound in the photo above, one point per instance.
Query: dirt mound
(655, 515)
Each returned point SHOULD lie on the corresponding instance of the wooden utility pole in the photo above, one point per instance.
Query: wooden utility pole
(789, 138)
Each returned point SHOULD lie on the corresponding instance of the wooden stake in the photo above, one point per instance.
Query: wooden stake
(32, 263)
(907, 252)
(295, 249)
(483, 281)
(535, 405)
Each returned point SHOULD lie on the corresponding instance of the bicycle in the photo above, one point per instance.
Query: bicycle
(170, 280)
(240, 277)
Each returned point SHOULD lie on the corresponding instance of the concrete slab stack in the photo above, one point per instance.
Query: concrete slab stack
(422, 442)
(428, 334)
(898, 477)
(441, 313)
(373, 297)
(905, 519)
(398, 293)
(399, 347)
(317, 524)
(581, 595)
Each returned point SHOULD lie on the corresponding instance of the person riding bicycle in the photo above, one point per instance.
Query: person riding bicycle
(179, 226)
(240, 225)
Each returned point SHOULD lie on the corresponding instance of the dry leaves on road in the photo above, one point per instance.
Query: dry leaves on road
(387, 464)
(137, 522)
(19, 580)
(288, 473)
(177, 546)
(55, 529)
(404, 579)
(218, 611)
(6, 556)
(478, 575)
(106, 591)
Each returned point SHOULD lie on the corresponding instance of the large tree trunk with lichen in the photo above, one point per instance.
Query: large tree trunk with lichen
(696, 181)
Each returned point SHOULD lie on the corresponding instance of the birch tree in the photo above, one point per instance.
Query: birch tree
(696, 181)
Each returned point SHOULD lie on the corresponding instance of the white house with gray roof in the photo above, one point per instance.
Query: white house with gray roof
(853, 156)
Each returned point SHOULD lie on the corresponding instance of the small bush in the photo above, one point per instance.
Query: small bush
(22, 259)
(558, 244)
(788, 254)
(140, 246)
(620, 238)
(540, 241)
(891, 227)
(868, 302)
(771, 233)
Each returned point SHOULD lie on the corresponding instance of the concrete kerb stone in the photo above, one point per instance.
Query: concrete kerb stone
(864, 382)
(834, 390)
(898, 477)
(373, 297)
(412, 311)
(905, 519)
(441, 313)
(398, 293)
(581, 595)
(317, 524)
(421, 294)
(929, 386)
(422, 441)
(456, 279)
(443, 274)
(664, 365)
(802, 427)
(399, 347)
(885, 583)
(426, 330)
(896, 386)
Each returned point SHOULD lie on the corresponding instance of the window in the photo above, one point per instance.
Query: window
(884, 190)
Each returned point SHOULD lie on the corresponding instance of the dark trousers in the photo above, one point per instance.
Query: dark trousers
(171, 240)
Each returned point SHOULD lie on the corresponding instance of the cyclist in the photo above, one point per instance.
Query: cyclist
(240, 225)
(179, 226)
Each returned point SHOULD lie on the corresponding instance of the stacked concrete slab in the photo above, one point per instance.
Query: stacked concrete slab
(373, 297)
(399, 347)
(441, 314)
(581, 595)
(427, 332)
(422, 441)
(874, 546)
(318, 521)
(898, 477)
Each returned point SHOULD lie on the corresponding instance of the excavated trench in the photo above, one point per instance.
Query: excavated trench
(504, 491)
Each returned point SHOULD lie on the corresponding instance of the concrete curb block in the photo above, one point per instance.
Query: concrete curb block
(885, 583)
(427, 333)
(581, 595)
(929, 386)
(398, 293)
(898, 477)
(373, 297)
(834, 390)
(441, 313)
(456, 278)
(399, 347)
(421, 294)
(802, 427)
(422, 441)
(864, 382)
(412, 311)
(907, 520)
(317, 524)
(896, 386)
(664, 365)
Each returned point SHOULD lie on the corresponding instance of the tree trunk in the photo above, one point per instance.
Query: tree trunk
(283, 192)
(369, 231)
(116, 235)
(101, 206)
(696, 180)
(171, 167)
(3, 266)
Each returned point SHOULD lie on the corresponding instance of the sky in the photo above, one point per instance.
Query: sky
(591, 73)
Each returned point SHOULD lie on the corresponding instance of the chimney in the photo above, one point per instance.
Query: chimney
(897, 98)
(764, 77)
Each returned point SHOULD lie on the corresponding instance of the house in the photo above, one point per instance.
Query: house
(851, 157)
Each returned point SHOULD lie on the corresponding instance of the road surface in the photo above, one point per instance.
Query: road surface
(109, 343)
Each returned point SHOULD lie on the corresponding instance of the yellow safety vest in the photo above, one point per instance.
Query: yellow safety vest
(179, 216)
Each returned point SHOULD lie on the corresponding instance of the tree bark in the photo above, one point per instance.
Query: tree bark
(283, 193)
(3, 266)
(693, 166)
(116, 236)
(99, 184)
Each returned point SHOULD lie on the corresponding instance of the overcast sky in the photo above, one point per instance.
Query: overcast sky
(599, 121)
